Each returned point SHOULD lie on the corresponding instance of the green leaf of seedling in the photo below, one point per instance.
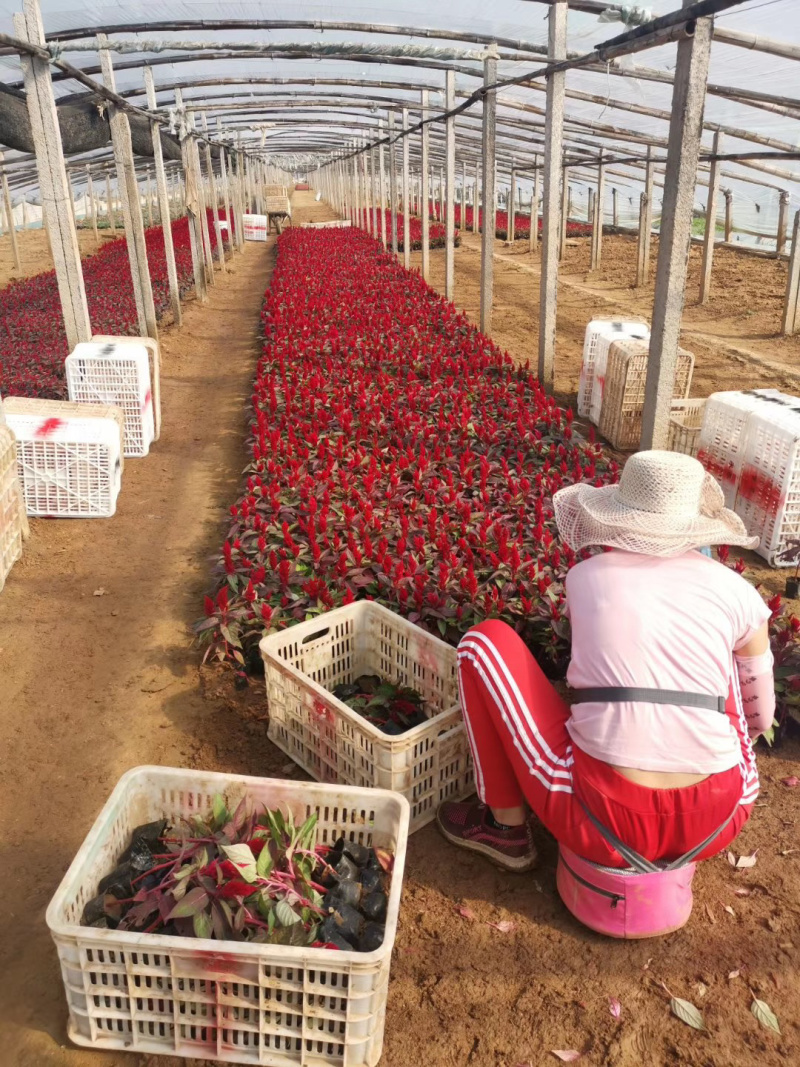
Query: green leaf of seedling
(202, 924)
(286, 915)
(271, 920)
(241, 856)
(230, 636)
(306, 833)
(184, 872)
(264, 863)
(687, 1013)
(191, 905)
(219, 810)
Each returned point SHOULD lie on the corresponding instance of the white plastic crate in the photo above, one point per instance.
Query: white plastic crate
(686, 418)
(276, 190)
(154, 358)
(48, 410)
(427, 764)
(13, 519)
(768, 490)
(623, 395)
(254, 227)
(117, 374)
(277, 205)
(722, 434)
(69, 467)
(230, 1002)
(600, 333)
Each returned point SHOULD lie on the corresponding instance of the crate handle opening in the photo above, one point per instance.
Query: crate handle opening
(316, 635)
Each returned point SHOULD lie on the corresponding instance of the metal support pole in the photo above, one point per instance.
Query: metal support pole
(489, 146)
(551, 216)
(425, 212)
(783, 214)
(710, 235)
(393, 183)
(12, 229)
(131, 204)
(52, 173)
(728, 194)
(163, 200)
(790, 308)
(406, 194)
(597, 216)
(646, 224)
(450, 188)
(686, 126)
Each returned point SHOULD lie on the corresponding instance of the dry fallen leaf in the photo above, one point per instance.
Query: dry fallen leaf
(710, 913)
(700, 988)
(741, 862)
(729, 909)
(466, 913)
(647, 965)
(733, 974)
(743, 892)
(687, 1013)
(614, 1007)
(765, 1015)
(568, 1055)
(791, 781)
(100, 592)
(505, 926)
(788, 851)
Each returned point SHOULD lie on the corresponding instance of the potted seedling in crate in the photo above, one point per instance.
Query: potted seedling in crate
(392, 708)
(791, 554)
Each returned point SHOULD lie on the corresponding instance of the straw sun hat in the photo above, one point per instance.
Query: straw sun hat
(664, 504)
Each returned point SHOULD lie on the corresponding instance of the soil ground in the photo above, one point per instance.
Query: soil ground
(99, 674)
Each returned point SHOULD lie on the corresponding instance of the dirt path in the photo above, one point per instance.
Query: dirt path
(93, 685)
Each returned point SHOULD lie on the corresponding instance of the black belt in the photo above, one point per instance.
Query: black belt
(617, 694)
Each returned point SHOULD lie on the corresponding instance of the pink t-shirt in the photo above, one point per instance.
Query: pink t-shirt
(660, 624)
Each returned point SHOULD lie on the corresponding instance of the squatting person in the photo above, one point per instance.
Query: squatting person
(672, 681)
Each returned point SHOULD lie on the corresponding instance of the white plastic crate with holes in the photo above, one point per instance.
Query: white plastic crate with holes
(13, 519)
(768, 490)
(118, 374)
(427, 764)
(623, 398)
(48, 410)
(722, 434)
(254, 227)
(69, 465)
(230, 1002)
(154, 358)
(599, 334)
(685, 420)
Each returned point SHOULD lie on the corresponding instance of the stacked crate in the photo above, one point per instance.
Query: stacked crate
(623, 397)
(685, 422)
(118, 374)
(722, 434)
(600, 333)
(13, 520)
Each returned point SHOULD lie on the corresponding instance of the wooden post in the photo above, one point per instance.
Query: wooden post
(406, 194)
(511, 208)
(367, 158)
(551, 220)
(488, 146)
(92, 204)
(192, 203)
(382, 163)
(163, 200)
(728, 194)
(53, 182)
(646, 224)
(476, 198)
(686, 126)
(597, 215)
(227, 200)
(450, 188)
(393, 183)
(131, 204)
(112, 225)
(462, 224)
(12, 229)
(425, 212)
(783, 214)
(614, 209)
(147, 198)
(205, 228)
(790, 308)
(710, 235)
(590, 212)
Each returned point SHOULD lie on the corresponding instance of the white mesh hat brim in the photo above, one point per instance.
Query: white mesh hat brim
(588, 515)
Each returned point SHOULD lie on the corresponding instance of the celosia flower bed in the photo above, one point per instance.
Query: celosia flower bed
(522, 224)
(395, 453)
(436, 235)
(33, 345)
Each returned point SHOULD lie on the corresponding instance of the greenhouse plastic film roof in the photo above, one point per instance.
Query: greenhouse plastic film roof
(312, 89)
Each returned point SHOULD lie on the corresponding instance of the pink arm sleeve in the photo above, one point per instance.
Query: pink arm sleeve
(758, 691)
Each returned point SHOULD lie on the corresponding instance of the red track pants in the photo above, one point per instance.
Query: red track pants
(517, 726)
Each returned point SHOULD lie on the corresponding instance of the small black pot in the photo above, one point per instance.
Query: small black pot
(793, 588)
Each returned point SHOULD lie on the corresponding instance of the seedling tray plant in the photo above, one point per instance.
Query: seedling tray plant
(251, 1000)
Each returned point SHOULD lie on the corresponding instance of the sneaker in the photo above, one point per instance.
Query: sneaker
(465, 825)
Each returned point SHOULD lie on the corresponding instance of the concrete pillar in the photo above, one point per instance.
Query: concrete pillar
(710, 236)
(425, 189)
(789, 323)
(450, 188)
(686, 124)
(489, 174)
(783, 214)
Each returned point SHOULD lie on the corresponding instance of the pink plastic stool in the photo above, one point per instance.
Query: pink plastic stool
(623, 902)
